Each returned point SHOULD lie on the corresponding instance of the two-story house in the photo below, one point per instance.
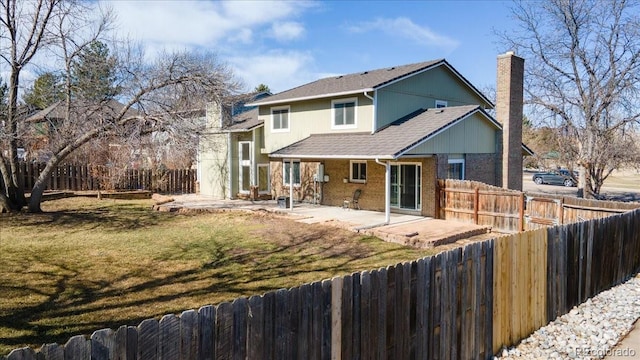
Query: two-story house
(388, 132)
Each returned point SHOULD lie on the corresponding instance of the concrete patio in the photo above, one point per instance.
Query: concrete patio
(410, 230)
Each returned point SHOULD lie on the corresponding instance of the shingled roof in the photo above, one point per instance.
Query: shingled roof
(390, 142)
(357, 83)
(245, 121)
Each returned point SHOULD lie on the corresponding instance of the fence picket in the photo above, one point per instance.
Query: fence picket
(169, 342)
(51, 352)
(148, 339)
(22, 354)
(102, 344)
(255, 323)
(189, 335)
(240, 310)
(224, 331)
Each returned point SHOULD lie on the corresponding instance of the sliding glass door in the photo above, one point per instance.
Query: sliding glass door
(406, 186)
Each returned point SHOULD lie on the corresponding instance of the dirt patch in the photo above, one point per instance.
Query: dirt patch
(312, 239)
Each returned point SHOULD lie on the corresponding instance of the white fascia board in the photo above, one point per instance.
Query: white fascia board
(303, 98)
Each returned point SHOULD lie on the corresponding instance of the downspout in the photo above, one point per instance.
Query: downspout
(229, 167)
(387, 190)
(373, 113)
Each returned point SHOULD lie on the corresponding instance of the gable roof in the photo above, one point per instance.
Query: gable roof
(391, 142)
(355, 83)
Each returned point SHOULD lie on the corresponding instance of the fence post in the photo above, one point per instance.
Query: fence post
(476, 203)
(438, 197)
(561, 211)
(521, 215)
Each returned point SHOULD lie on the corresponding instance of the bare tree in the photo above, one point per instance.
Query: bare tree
(582, 78)
(149, 93)
(23, 33)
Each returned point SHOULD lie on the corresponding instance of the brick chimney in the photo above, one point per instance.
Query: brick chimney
(509, 100)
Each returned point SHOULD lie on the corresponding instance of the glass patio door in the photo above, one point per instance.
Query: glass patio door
(405, 186)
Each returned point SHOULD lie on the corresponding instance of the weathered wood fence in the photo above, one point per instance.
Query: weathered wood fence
(513, 211)
(85, 178)
(472, 201)
(466, 303)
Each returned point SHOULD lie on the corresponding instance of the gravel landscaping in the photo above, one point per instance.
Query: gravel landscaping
(589, 331)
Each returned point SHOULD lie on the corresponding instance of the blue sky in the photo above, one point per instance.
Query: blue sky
(285, 44)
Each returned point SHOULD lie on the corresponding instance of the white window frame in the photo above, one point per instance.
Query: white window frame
(245, 163)
(457, 161)
(351, 178)
(287, 161)
(279, 108)
(353, 100)
(441, 104)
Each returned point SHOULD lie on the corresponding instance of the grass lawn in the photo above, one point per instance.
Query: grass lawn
(86, 265)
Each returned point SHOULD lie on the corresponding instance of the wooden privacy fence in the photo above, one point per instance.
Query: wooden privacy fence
(86, 178)
(466, 303)
(482, 204)
(545, 210)
(514, 211)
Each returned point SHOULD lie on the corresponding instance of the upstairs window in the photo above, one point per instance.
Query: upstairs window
(441, 104)
(344, 113)
(358, 171)
(280, 119)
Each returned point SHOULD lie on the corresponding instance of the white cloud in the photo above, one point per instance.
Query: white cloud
(278, 70)
(202, 23)
(406, 28)
(287, 31)
(244, 36)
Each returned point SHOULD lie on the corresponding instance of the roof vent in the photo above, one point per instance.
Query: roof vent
(339, 76)
(364, 73)
(439, 111)
(391, 68)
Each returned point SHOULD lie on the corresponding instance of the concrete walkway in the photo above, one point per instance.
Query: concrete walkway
(411, 230)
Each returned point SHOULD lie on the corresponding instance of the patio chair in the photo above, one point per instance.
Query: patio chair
(353, 203)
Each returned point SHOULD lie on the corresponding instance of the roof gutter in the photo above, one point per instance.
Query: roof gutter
(373, 113)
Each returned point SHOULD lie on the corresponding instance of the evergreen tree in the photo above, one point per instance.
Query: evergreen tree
(93, 73)
(262, 88)
(46, 90)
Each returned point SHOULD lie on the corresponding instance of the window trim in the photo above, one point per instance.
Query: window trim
(351, 178)
(278, 108)
(441, 104)
(457, 161)
(286, 161)
(353, 100)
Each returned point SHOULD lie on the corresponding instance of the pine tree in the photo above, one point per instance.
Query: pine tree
(46, 90)
(93, 74)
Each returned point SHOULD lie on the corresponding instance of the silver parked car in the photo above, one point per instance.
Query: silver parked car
(556, 177)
